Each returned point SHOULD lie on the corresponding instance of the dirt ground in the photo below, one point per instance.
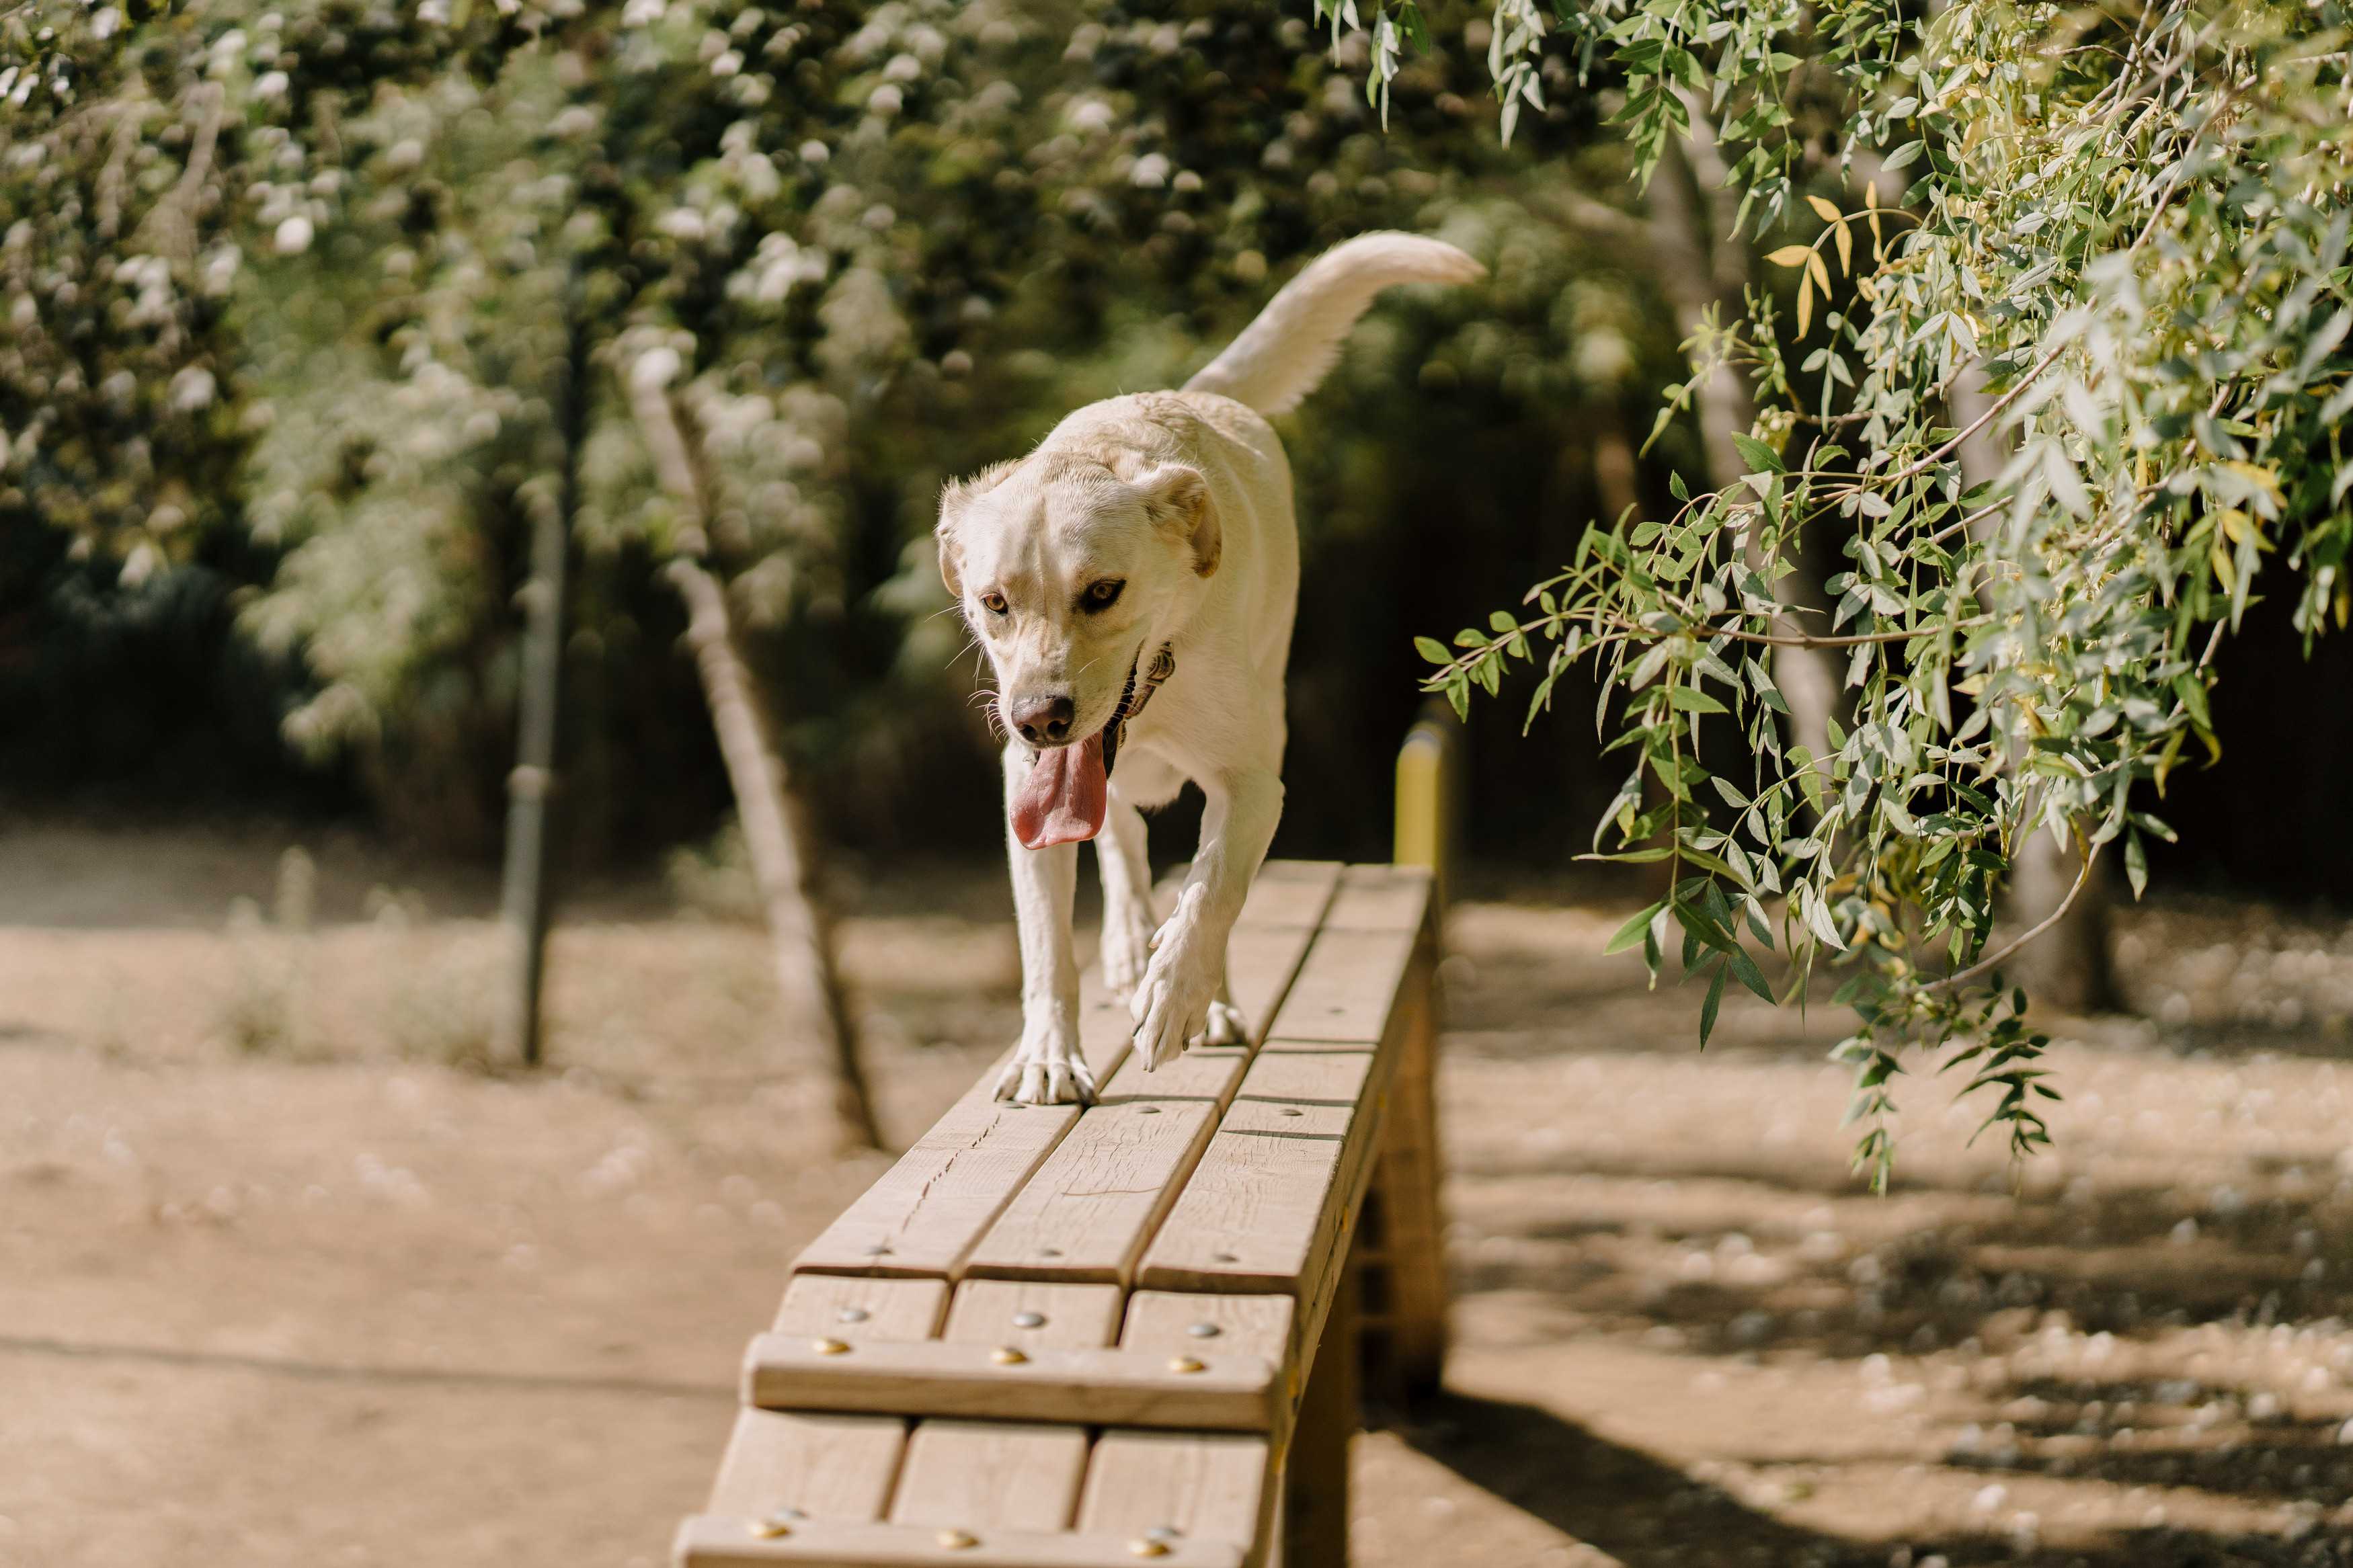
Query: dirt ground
(286, 1278)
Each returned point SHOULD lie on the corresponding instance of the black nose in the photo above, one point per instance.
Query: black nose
(1043, 720)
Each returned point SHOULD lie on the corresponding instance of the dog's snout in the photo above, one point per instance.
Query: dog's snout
(1043, 720)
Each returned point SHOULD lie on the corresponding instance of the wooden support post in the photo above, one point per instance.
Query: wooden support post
(1316, 1475)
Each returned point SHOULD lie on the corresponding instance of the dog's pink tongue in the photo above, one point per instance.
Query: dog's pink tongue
(1065, 796)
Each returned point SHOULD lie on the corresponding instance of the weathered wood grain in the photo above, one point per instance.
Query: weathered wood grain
(1090, 1207)
(1212, 1390)
(853, 1307)
(1309, 1078)
(708, 1541)
(926, 1213)
(1172, 1486)
(1290, 893)
(1027, 1315)
(1347, 991)
(1209, 1073)
(984, 1476)
(822, 1467)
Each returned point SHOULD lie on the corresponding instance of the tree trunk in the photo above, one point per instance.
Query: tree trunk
(524, 900)
(773, 821)
(1701, 262)
(2067, 966)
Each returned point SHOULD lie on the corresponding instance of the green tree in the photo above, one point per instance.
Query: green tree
(2120, 240)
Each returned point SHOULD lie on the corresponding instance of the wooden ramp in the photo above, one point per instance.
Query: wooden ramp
(1052, 1337)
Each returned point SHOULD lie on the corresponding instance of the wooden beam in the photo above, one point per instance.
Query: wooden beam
(707, 1541)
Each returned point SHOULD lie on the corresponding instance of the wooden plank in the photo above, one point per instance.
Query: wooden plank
(850, 1307)
(1274, 1196)
(1211, 1073)
(1380, 897)
(985, 1476)
(1025, 1314)
(1003, 1474)
(780, 1465)
(1174, 1324)
(709, 1541)
(1212, 1390)
(1290, 893)
(1347, 990)
(1171, 1487)
(926, 1213)
(1092, 1207)
(1310, 1078)
(1262, 964)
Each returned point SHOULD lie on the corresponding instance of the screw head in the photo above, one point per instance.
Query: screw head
(1290, 1110)
(852, 1315)
(1162, 1532)
(957, 1540)
(830, 1347)
(1147, 1111)
(770, 1528)
(1187, 1363)
(1006, 1355)
(1147, 1547)
(1049, 1252)
(1029, 1319)
(880, 1249)
(1223, 1257)
(1204, 1330)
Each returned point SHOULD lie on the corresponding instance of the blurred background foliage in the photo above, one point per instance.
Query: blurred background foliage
(294, 292)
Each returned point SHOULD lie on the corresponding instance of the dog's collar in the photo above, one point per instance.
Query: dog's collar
(1134, 696)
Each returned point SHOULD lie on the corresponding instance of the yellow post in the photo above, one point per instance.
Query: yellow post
(1424, 792)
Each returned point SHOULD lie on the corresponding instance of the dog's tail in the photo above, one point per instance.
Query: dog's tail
(1295, 341)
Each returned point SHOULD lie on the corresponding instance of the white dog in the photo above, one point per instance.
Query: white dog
(1132, 581)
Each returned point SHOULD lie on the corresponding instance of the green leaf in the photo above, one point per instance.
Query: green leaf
(1707, 1008)
(1433, 651)
(1631, 931)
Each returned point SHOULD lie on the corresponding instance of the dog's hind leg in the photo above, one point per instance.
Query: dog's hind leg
(1048, 1069)
(1121, 855)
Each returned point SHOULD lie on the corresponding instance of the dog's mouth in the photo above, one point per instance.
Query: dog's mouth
(1068, 793)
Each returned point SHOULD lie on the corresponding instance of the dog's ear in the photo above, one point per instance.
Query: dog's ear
(955, 498)
(1176, 498)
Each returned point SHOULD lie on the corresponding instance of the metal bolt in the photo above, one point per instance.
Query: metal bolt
(1029, 1319)
(1147, 1547)
(880, 1249)
(830, 1347)
(1187, 1363)
(1049, 1252)
(957, 1540)
(1147, 1111)
(1290, 1110)
(777, 1523)
(1223, 1257)
(1204, 1330)
(851, 1315)
(1162, 1532)
(1006, 1355)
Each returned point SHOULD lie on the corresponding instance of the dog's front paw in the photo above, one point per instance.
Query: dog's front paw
(1173, 1005)
(1047, 1072)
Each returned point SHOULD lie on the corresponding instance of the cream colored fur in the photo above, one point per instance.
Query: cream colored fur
(1185, 498)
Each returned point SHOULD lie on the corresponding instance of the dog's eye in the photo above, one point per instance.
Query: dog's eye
(993, 602)
(1102, 596)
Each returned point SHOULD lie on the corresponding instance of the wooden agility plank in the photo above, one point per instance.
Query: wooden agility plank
(927, 1210)
(1262, 964)
(1347, 990)
(853, 1307)
(1290, 893)
(1380, 897)
(707, 1541)
(783, 1465)
(1274, 1194)
(1309, 1078)
(1027, 1315)
(1211, 1389)
(1209, 1073)
(1171, 1487)
(1090, 1208)
(984, 1476)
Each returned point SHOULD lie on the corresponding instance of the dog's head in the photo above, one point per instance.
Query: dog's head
(1066, 571)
